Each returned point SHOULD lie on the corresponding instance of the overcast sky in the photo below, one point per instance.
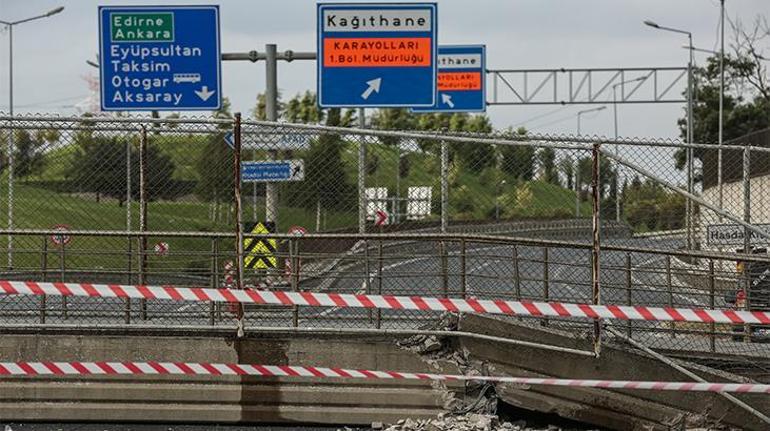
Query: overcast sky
(50, 54)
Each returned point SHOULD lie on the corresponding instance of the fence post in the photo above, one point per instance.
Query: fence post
(379, 281)
(712, 293)
(143, 215)
(670, 289)
(444, 186)
(214, 278)
(516, 278)
(62, 274)
(577, 188)
(129, 279)
(629, 293)
(367, 280)
(361, 174)
(596, 245)
(444, 269)
(10, 154)
(238, 222)
(44, 276)
(463, 276)
(746, 232)
(546, 281)
(128, 186)
(293, 252)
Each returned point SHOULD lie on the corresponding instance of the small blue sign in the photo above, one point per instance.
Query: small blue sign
(461, 79)
(273, 171)
(159, 58)
(376, 54)
(230, 140)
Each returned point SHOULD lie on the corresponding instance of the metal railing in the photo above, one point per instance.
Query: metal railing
(425, 264)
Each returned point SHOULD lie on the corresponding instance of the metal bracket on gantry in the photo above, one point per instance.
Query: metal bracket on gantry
(586, 86)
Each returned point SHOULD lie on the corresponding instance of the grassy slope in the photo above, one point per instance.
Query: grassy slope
(40, 208)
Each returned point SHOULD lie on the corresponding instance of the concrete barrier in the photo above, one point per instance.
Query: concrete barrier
(214, 399)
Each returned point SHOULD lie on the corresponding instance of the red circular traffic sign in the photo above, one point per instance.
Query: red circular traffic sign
(297, 230)
(161, 248)
(61, 238)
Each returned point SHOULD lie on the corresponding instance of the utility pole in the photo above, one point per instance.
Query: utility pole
(271, 110)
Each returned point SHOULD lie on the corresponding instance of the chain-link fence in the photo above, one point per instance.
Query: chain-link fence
(157, 202)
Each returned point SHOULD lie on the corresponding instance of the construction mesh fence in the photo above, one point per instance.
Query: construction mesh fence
(671, 218)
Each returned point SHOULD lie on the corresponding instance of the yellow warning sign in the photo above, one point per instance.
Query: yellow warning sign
(259, 253)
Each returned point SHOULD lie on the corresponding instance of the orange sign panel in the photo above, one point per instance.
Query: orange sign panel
(459, 81)
(377, 52)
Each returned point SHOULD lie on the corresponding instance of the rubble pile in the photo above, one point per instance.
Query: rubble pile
(466, 422)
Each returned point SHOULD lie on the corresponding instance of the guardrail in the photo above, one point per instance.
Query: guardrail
(410, 264)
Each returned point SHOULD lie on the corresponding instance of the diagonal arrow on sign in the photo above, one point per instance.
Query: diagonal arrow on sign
(373, 86)
(296, 171)
(204, 93)
(447, 100)
(230, 140)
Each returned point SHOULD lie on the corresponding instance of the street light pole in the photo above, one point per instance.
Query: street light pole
(615, 115)
(577, 160)
(11, 144)
(688, 151)
(720, 54)
(721, 97)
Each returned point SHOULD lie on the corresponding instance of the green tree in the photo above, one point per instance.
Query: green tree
(29, 156)
(393, 119)
(606, 175)
(746, 101)
(303, 109)
(215, 171)
(474, 156)
(518, 160)
(260, 109)
(99, 166)
(649, 206)
(325, 180)
(567, 168)
(546, 159)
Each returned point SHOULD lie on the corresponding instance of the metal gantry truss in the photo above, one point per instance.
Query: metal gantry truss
(586, 86)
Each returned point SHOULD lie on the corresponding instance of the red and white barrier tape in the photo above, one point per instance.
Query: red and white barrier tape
(340, 300)
(207, 369)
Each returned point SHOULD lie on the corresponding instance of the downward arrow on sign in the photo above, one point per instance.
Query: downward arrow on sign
(204, 93)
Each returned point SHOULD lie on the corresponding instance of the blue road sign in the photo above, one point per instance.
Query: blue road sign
(376, 54)
(461, 79)
(159, 58)
(280, 170)
(230, 140)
